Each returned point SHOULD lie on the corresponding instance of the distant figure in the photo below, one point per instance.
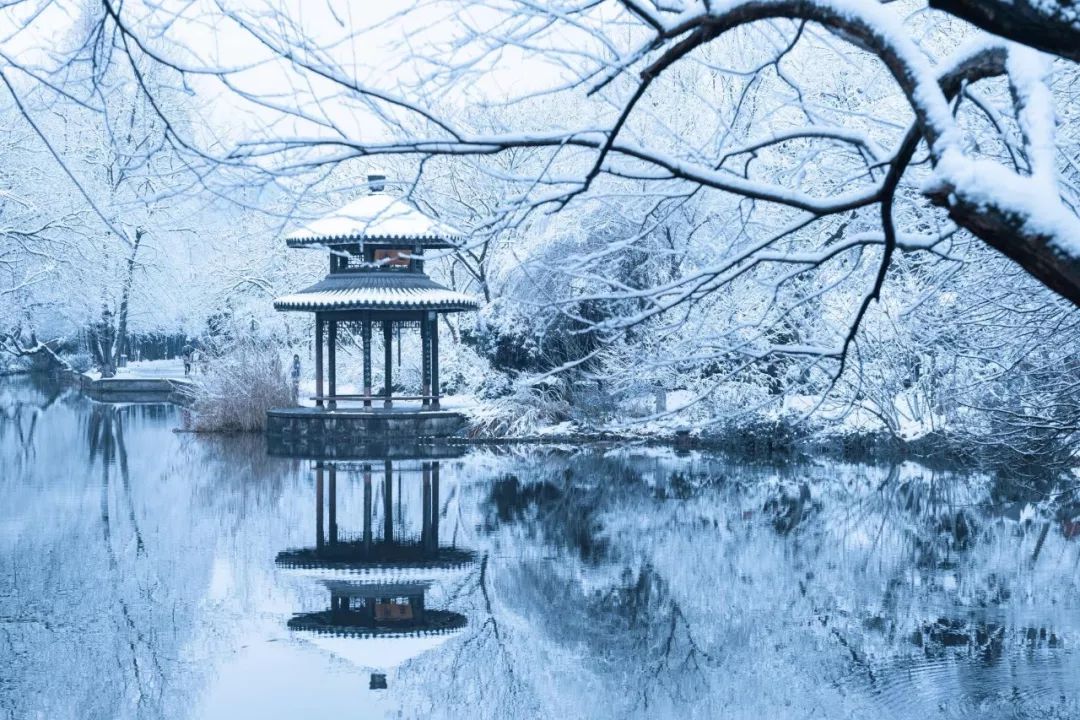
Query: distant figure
(296, 378)
(189, 353)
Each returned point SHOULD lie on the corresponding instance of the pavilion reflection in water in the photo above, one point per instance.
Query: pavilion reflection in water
(376, 572)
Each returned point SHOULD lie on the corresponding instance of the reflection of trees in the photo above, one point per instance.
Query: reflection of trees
(107, 448)
(500, 688)
(133, 558)
(640, 619)
(633, 625)
(651, 588)
(558, 509)
(542, 643)
(95, 607)
(22, 402)
(106, 442)
(639, 649)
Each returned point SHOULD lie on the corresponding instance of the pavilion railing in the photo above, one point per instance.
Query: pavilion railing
(429, 400)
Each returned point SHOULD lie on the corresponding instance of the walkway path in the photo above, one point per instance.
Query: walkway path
(149, 370)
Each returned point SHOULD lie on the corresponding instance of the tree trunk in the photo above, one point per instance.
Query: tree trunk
(125, 299)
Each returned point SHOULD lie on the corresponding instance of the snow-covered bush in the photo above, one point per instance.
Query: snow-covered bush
(242, 377)
(524, 411)
(464, 371)
(517, 336)
(80, 362)
(12, 364)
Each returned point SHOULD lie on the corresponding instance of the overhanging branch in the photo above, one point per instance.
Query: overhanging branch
(1052, 26)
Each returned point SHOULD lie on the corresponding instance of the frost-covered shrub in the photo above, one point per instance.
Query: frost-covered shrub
(1032, 419)
(463, 371)
(11, 364)
(593, 401)
(507, 345)
(517, 336)
(523, 412)
(80, 362)
(242, 378)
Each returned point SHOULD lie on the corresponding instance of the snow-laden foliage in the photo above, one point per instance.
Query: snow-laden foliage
(846, 215)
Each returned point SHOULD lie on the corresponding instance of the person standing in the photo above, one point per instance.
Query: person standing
(188, 352)
(296, 379)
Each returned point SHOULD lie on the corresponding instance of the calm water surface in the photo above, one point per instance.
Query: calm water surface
(150, 574)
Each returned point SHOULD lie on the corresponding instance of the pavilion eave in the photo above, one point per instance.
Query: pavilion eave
(429, 242)
(301, 304)
(374, 290)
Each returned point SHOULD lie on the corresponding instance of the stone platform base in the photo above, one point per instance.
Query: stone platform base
(136, 390)
(326, 434)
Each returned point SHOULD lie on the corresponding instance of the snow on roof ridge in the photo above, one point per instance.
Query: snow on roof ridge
(374, 215)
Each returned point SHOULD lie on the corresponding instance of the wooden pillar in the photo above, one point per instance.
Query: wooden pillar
(367, 508)
(388, 358)
(388, 503)
(339, 604)
(425, 523)
(417, 604)
(331, 504)
(366, 333)
(320, 537)
(369, 610)
(425, 362)
(435, 361)
(435, 505)
(331, 352)
(318, 360)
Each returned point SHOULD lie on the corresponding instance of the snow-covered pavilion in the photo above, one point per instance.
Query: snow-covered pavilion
(376, 248)
(376, 277)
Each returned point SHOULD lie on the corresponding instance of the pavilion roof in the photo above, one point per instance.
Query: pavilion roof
(373, 573)
(383, 562)
(375, 217)
(382, 653)
(328, 622)
(377, 290)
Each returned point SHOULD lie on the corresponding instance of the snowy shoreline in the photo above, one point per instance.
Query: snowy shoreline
(791, 439)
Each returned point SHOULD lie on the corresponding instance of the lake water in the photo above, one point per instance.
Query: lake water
(151, 574)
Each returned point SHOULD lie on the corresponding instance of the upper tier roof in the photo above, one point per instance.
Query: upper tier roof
(371, 218)
(379, 653)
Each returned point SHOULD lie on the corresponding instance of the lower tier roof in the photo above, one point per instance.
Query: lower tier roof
(377, 290)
